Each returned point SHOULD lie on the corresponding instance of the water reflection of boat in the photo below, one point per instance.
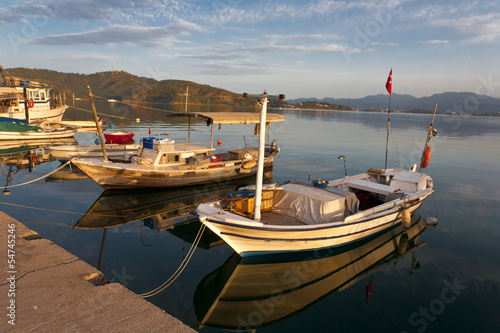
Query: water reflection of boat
(252, 292)
(67, 173)
(161, 208)
(15, 157)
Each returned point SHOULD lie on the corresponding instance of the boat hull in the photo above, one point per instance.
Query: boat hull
(37, 135)
(254, 238)
(38, 114)
(66, 153)
(119, 176)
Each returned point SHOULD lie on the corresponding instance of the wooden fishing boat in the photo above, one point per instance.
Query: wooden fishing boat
(278, 287)
(301, 217)
(26, 100)
(165, 163)
(304, 216)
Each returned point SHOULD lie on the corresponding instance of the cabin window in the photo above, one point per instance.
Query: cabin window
(36, 96)
(42, 95)
(173, 158)
(169, 158)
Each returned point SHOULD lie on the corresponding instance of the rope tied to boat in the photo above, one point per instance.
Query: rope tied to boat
(39, 178)
(179, 270)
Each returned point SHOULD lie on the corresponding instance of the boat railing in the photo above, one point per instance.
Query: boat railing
(185, 143)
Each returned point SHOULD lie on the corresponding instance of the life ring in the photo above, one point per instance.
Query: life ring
(31, 103)
(426, 156)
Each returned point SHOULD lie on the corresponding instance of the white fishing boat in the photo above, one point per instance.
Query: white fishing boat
(281, 286)
(304, 216)
(18, 131)
(114, 151)
(27, 100)
(165, 163)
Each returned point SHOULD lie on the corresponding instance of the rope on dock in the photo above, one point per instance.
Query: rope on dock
(179, 270)
(42, 177)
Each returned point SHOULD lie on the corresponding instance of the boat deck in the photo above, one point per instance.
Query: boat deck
(274, 218)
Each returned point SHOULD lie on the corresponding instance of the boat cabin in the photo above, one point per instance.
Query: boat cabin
(12, 98)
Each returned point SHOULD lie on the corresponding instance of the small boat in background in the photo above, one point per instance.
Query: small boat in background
(114, 151)
(16, 95)
(119, 137)
(18, 131)
(81, 125)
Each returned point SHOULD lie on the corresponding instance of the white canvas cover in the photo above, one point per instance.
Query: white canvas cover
(309, 204)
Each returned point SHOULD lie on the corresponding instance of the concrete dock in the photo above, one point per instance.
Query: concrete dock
(44, 288)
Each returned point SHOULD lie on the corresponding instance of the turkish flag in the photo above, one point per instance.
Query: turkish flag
(388, 84)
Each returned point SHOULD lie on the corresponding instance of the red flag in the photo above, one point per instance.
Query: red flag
(388, 84)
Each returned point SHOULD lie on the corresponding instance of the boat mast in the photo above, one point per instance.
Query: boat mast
(186, 110)
(97, 125)
(388, 86)
(432, 133)
(3, 76)
(262, 142)
(26, 107)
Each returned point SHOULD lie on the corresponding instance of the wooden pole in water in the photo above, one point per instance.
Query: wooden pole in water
(97, 125)
(26, 108)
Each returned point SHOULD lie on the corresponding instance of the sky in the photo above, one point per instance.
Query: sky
(301, 48)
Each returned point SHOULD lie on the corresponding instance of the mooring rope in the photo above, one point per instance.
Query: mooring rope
(101, 113)
(179, 270)
(42, 177)
(138, 105)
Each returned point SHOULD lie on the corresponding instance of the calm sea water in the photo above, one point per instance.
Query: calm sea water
(439, 279)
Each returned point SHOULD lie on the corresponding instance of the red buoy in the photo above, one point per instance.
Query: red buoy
(219, 142)
(426, 156)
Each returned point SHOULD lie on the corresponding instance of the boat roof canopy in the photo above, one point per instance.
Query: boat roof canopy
(234, 117)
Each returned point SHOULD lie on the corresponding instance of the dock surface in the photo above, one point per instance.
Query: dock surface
(47, 289)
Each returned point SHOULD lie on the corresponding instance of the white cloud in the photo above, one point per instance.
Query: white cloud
(111, 11)
(485, 28)
(133, 35)
(433, 41)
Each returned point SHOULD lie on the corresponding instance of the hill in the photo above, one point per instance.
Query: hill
(121, 85)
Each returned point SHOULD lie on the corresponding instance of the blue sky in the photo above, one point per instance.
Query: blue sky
(306, 48)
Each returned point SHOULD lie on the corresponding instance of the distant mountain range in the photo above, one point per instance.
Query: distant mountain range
(121, 85)
(448, 102)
